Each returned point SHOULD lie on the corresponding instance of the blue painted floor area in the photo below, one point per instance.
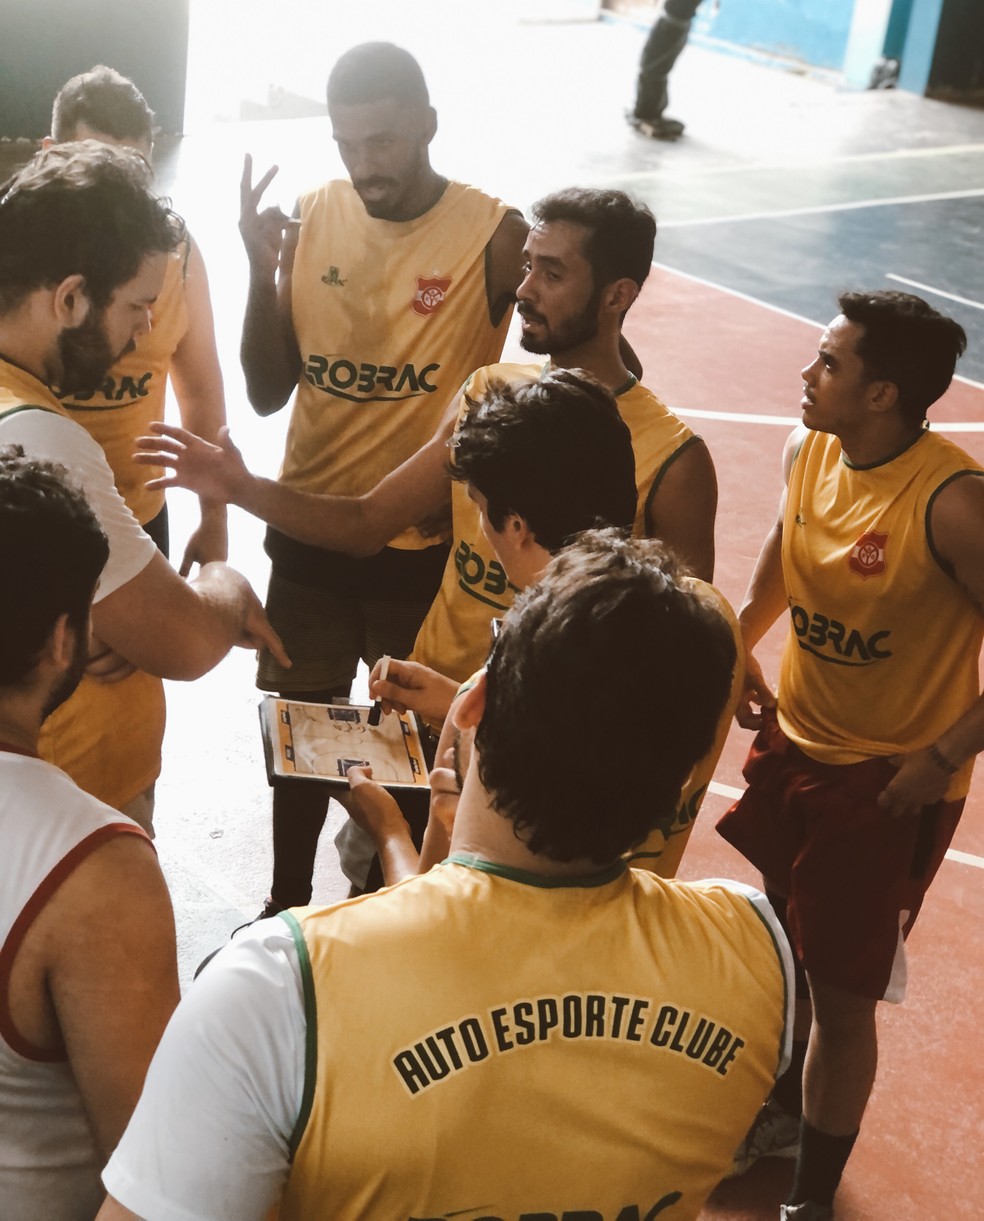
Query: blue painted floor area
(799, 263)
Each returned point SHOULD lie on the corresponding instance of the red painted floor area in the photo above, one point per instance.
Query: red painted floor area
(919, 1151)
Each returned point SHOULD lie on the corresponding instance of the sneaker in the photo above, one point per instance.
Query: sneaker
(775, 1133)
(655, 129)
(809, 1210)
(269, 909)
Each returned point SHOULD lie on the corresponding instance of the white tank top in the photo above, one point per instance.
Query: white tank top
(49, 1162)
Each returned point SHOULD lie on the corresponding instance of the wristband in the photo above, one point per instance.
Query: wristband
(941, 761)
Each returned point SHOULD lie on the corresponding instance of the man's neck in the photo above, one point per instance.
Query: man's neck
(20, 723)
(425, 195)
(875, 446)
(599, 357)
(23, 341)
(481, 831)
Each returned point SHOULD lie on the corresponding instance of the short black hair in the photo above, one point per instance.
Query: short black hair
(908, 343)
(555, 451)
(105, 101)
(52, 551)
(84, 209)
(376, 70)
(621, 231)
(614, 632)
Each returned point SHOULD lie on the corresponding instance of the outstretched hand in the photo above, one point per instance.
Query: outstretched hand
(262, 232)
(216, 472)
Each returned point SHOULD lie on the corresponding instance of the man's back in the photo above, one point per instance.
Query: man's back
(615, 1062)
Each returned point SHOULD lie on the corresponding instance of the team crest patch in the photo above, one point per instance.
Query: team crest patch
(867, 557)
(431, 292)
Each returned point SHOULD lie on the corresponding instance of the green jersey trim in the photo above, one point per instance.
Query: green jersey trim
(543, 882)
(311, 1032)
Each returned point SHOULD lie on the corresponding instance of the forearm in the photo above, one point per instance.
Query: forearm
(268, 351)
(338, 523)
(398, 858)
(765, 599)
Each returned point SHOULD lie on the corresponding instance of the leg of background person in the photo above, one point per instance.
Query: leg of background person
(666, 40)
(788, 1091)
(840, 1072)
(391, 627)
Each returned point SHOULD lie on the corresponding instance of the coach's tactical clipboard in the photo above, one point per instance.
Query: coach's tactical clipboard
(322, 741)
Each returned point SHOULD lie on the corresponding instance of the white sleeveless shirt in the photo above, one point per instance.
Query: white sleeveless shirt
(49, 1162)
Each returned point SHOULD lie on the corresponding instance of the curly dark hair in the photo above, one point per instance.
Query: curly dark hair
(84, 209)
(906, 342)
(52, 551)
(615, 631)
(554, 451)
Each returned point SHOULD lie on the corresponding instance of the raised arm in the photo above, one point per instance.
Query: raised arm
(357, 525)
(197, 381)
(682, 508)
(181, 629)
(956, 527)
(504, 265)
(268, 351)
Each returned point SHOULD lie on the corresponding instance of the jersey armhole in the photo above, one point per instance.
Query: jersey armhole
(764, 910)
(943, 564)
(658, 479)
(58, 873)
(310, 1032)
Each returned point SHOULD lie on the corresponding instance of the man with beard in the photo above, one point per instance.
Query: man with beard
(89, 976)
(586, 259)
(180, 346)
(387, 292)
(83, 249)
(532, 1024)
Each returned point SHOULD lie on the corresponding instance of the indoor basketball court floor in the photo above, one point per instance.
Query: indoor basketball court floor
(785, 191)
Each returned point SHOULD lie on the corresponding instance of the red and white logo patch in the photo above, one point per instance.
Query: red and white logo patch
(431, 292)
(867, 557)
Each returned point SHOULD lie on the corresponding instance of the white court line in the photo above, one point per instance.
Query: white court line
(961, 858)
(928, 288)
(785, 313)
(820, 209)
(897, 154)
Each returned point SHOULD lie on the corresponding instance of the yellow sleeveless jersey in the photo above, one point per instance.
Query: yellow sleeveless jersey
(390, 318)
(132, 394)
(107, 737)
(883, 649)
(605, 1066)
(454, 638)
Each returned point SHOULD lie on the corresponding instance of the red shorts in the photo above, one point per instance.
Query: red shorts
(854, 875)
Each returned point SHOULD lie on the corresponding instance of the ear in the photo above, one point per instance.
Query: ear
(430, 124)
(61, 643)
(71, 301)
(883, 396)
(619, 295)
(469, 708)
(47, 142)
